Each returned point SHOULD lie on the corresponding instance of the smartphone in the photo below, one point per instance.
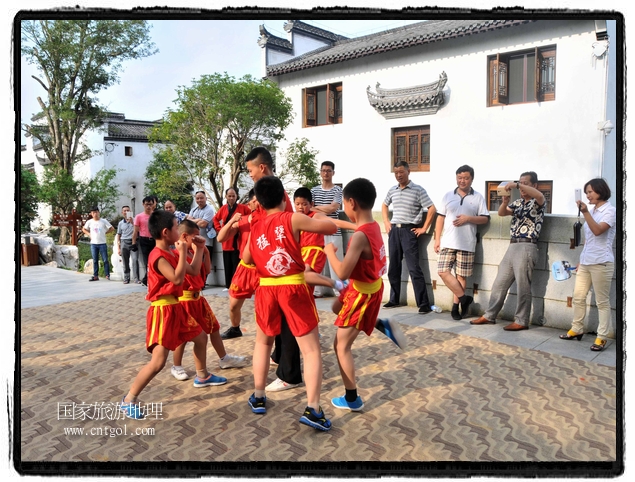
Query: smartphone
(578, 195)
(129, 214)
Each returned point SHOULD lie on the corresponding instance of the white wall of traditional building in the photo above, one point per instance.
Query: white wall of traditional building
(560, 139)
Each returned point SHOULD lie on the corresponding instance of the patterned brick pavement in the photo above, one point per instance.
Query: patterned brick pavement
(446, 398)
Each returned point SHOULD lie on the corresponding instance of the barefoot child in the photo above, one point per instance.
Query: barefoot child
(274, 247)
(358, 305)
(167, 323)
(198, 308)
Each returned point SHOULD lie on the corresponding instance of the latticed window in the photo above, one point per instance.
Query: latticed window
(412, 144)
(523, 76)
(322, 105)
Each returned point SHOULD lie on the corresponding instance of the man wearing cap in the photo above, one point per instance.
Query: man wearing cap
(521, 255)
(408, 200)
(97, 229)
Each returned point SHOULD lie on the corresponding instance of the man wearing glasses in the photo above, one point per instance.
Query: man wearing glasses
(327, 199)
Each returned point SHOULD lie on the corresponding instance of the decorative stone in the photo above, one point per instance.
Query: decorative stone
(67, 256)
(116, 263)
(88, 267)
(46, 247)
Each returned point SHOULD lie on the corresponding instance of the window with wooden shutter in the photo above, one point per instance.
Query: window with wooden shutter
(322, 105)
(522, 76)
(412, 145)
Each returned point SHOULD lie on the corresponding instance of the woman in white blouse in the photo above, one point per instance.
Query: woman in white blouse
(596, 262)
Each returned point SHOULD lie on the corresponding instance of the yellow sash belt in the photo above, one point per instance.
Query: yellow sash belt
(367, 288)
(248, 266)
(165, 300)
(306, 249)
(190, 295)
(292, 279)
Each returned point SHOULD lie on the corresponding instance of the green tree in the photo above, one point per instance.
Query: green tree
(166, 179)
(101, 191)
(300, 164)
(76, 59)
(217, 120)
(29, 191)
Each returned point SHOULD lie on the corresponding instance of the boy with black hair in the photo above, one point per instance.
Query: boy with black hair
(274, 247)
(167, 323)
(313, 244)
(358, 305)
(198, 308)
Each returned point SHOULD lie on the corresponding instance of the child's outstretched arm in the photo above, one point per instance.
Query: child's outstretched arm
(198, 245)
(229, 229)
(358, 246)
(302, 222)
(340, 223)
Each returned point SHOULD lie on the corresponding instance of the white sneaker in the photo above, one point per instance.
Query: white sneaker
(179, 373)
(279, 385)
(232, 361)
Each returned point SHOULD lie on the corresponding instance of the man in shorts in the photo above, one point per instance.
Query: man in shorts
(461, 210)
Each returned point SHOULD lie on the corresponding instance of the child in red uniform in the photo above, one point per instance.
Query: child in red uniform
(313, 244)
(358, 305)
(198, 308)
(274, 248)
(245, 279)
(167, 323)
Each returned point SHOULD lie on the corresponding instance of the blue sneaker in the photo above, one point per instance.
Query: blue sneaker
(211, 380)
(258, 404)
(316, 420)
(132, 410)
(340, 402)
(391, 329)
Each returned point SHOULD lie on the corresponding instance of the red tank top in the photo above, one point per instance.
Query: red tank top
(260, 213)
(243, 232)
(370, 270)
(273, 247)
(194, 282)
(308, 238)
(158, 285)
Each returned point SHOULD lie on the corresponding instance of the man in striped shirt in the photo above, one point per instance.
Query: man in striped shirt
(327, 199)
(408, 200)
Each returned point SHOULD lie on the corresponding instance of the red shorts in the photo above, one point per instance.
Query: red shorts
(169, 325)
(294, 300)
(199, 309)
(314, 257)
(359, 309)
(244, 282)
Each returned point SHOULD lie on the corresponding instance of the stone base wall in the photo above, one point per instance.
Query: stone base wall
(551, 304)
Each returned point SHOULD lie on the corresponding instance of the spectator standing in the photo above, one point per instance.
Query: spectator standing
(408, 200)
(231, 253)
(327, 199)
(461, 210)
(521, 255)
(125, 230)
(142, 239)
(203, 214)
(97, 229)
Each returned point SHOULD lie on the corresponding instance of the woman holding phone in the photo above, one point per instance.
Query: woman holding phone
(596, 262)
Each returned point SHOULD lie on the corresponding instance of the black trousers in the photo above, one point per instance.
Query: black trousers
(126, 244)
(145, 246)
(230, 263)
(403, 242)
(287, 355)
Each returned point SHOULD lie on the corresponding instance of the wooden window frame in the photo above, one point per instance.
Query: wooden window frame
(544, 82)
(415, 139)
(128, 151)
(545, 187)
(332, 108)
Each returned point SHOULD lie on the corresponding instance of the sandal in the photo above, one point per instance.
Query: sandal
(599, 345)
(93, 278)
(571, 335)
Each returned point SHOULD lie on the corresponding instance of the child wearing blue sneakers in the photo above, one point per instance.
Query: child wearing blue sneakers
(274, 247)
(167, 323)
(358, 305)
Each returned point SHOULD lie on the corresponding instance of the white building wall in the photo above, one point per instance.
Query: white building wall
(303, 44)
(558, 139)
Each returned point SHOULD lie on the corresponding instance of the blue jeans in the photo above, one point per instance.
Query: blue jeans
(96, 250)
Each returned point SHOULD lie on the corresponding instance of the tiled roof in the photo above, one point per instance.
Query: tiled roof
(267, 39)
(318, 32)
(130, 129)
(395, 39)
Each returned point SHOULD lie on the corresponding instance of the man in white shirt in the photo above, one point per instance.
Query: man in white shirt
(327, 199)
(203, 215)
(97, 229)
(461, 210)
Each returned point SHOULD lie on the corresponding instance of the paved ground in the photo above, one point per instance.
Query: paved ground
(458, 394)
